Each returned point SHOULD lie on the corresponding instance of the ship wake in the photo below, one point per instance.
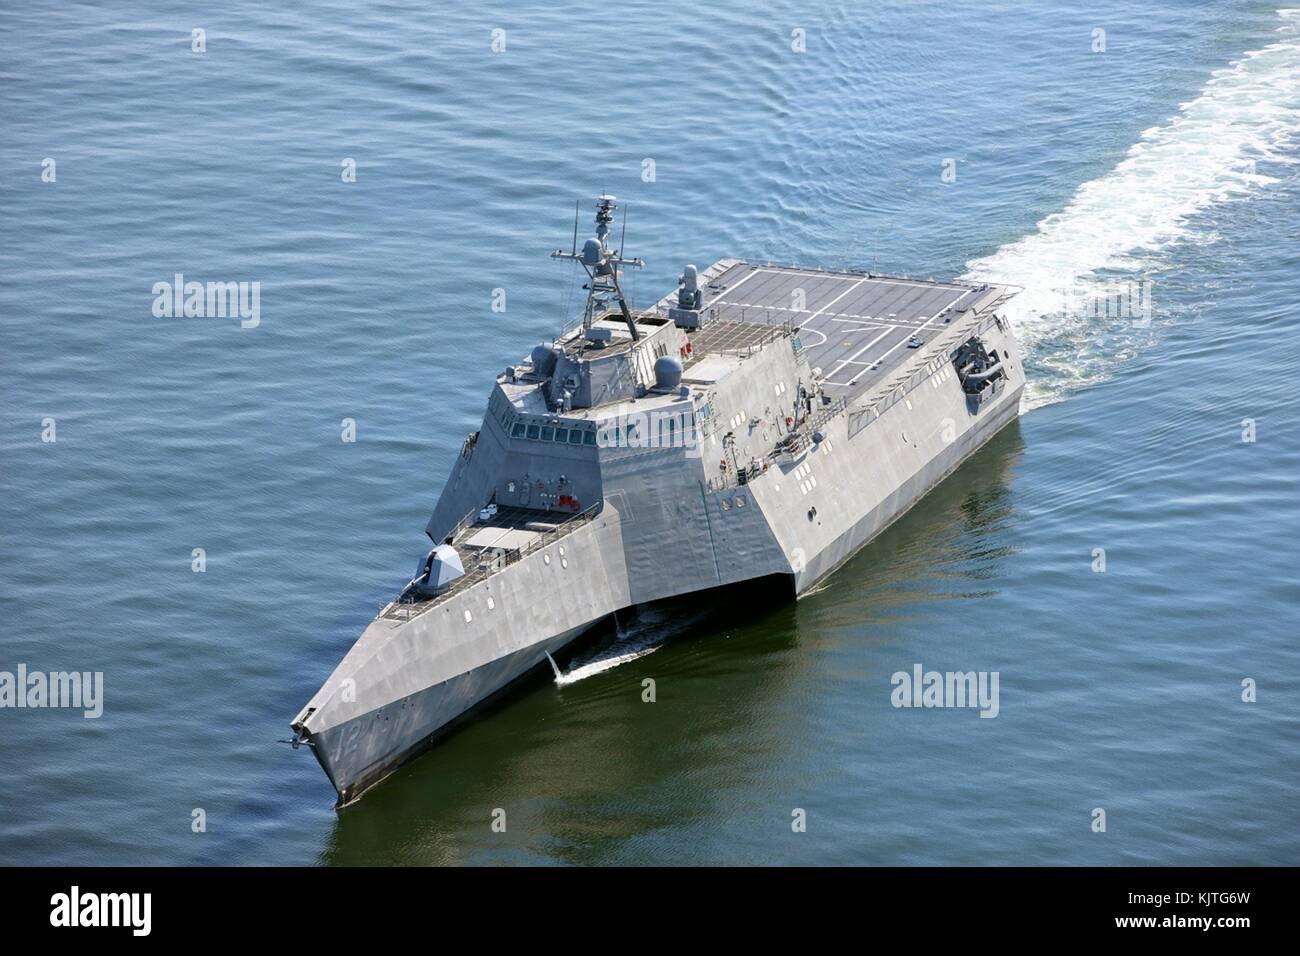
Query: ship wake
(643, 637)
(1091, 272)
(621, 653)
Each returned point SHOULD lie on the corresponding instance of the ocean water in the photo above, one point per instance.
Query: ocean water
(1146, 196)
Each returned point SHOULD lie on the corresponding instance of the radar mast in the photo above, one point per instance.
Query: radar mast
(603, 266)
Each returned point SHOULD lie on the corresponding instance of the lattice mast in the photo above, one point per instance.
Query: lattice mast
(603, 265)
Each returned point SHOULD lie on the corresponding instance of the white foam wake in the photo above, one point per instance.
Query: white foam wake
(615, 656)
(1118, 229)
(653, 627)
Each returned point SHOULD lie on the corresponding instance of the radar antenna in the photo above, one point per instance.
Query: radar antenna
(603, 266)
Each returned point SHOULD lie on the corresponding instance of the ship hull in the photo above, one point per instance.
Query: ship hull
(362, 752)
(767, 478)
(910, 493)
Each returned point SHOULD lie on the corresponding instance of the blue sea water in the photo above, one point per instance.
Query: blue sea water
(1169, 157)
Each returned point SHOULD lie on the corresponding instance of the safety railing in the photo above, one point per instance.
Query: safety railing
(407, 605)
(870, 406)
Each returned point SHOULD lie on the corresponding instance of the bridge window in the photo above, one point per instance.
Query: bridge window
(548, 433)
(534, 431)
(518, 431)
(589, 438)
(575, 437)
(561, 435)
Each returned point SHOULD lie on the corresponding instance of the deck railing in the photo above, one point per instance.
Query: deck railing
(407, 605)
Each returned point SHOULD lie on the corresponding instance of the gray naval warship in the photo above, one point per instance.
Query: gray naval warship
(762, 421)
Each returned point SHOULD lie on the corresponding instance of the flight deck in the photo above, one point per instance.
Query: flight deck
(854, 326)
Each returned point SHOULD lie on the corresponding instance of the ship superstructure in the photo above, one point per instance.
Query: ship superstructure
(761, 421)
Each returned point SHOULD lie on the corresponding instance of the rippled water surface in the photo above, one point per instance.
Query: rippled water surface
(1169, 158)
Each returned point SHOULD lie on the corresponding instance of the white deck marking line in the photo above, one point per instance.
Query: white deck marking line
(848, 383)
(858, 320)
(884, 355)
(900, 324)
(910, 323)
(731, 288)
(831, 303)
(839, 275)
(836, 370)
(867, 326)
(783, 308)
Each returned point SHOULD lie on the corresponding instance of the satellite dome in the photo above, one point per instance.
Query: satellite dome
(668, 373)
(592, 254)
(544, 359)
